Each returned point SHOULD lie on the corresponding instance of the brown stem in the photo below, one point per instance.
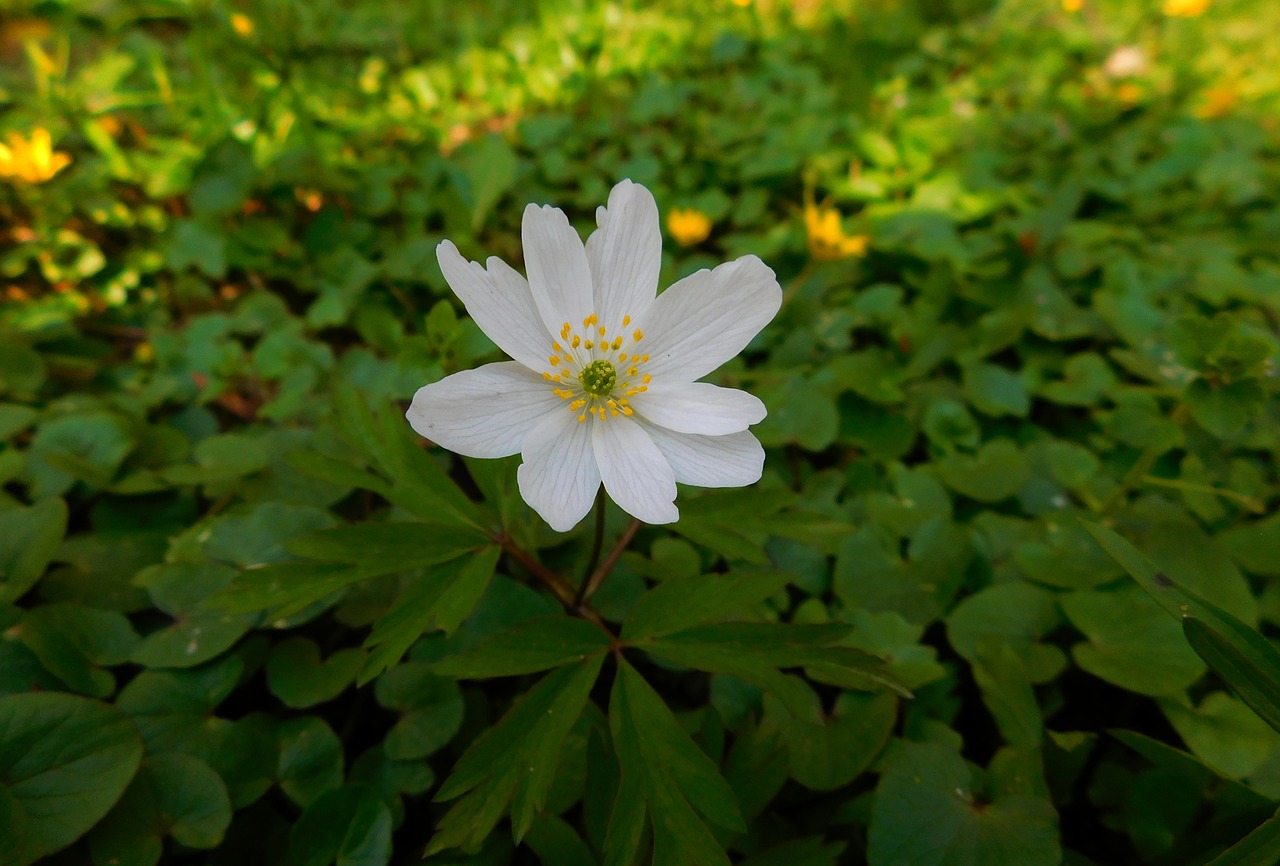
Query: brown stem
(593, 583)
(559, 587)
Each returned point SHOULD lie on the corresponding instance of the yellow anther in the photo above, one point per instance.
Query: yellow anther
(627, 410)
(646, 378)
(590, 345)
(617, 343)
(589, 321)
(623, 401)
(602, 330)
(622, 357)
(582, 418)
(634, 371)
(554, 360)
(577, 404)
(614, 412)
(577, 341)
(565, 326)
(644, 358)
(613, 404)
(557, 347)
(547, 375)
(626, 320)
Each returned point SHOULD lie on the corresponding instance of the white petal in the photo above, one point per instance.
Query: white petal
(486, 412)
(500, 302)
(735, 460)
(635, 474)
(559, 477)
(708, 317)
(558, 271)
(699, 407)
(625, 254)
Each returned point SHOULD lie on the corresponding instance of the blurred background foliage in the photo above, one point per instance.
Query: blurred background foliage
(1032, 274)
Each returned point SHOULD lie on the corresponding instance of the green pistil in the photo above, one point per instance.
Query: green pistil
(598, 378)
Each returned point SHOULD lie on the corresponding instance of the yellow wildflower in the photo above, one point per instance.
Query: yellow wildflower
(1218, 101)
(1072, 5)
(827, 239)
(1185, 8)
(242, 24)
(32, 160)
(688, 226)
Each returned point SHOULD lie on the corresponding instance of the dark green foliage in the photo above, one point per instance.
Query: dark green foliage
(1005, 595)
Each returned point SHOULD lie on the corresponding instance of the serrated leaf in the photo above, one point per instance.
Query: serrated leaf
(440, 599)
(536, 645)
(1246, 664)
(394, 546)
(664, 776)
(515, 761)
(681, 603)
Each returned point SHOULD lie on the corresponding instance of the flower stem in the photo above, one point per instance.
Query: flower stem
(590, 586)
(596, 545)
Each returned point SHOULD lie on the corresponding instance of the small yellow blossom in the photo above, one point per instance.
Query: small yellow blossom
(827, 239)
(242, 24)
(1185, 8)
(1218, 101)
(688, 226)
(1072, 5)
(32, 160)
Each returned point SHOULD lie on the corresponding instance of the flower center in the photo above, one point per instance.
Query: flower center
(598, 378)
(597, 359)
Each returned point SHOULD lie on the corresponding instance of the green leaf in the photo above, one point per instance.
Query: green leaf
(830, 751)
(431, 708)
(677, 604)
(310, 759)
(297, 676)
(489, 165)
(388, 546)
(1223, 732)
(536, 645)
(172, 795)
(754, 652)
(995, 391)
(514, 762)
(733, 523)
(666, 777)
(1245, 660)
(1260, 848)
(64, 762)
(996, 472)
(1017, 614)
(350, 826)
(337, 472)
(1250, 662)
(28, 539)
(1006, 690)
(1130, 643)
(76, 643)
(441, 598)
(927, 813)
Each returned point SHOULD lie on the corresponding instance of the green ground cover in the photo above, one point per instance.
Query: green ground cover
(1030, 253)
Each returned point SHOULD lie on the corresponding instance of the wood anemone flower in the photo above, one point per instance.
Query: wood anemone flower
(603, 386)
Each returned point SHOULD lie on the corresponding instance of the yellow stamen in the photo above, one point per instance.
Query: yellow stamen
(627, 410)
(638, 335)
(617, 343)
(554, 361)
(626, 320)
(589, 321)
(557, 347)
(646, 378)
(577, 341)
(582, 418)
(590, 345)
(602, 330)
(634, 371)
(645, 358)
(622, 357)
(546, 375)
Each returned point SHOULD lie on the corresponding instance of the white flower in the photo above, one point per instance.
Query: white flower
(602, 388)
